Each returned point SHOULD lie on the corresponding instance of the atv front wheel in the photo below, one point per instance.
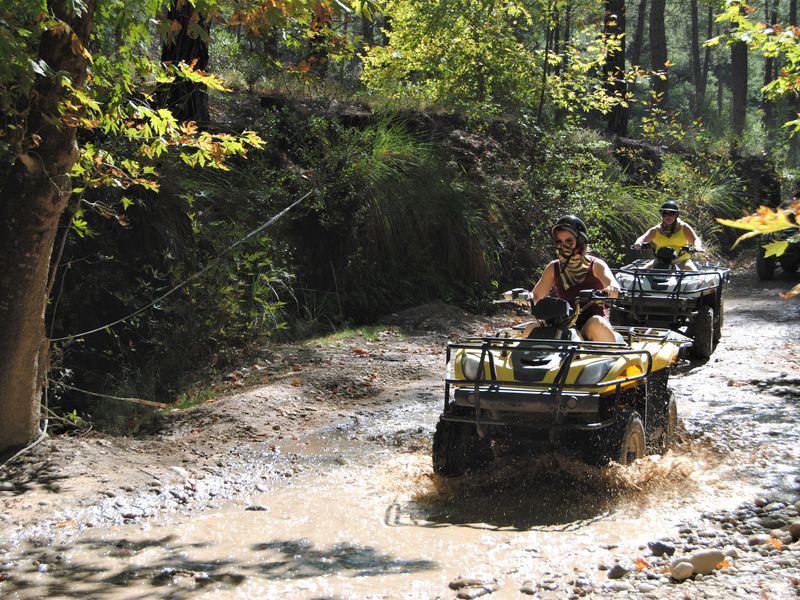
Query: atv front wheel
(703, 330)
(631, 446)
(623, 442)
(457, 449)
(765, 266)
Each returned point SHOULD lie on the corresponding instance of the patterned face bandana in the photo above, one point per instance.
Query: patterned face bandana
(668, 230)
(574, 266)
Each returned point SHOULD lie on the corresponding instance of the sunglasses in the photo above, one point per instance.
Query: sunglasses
(568, 243)
(669, 213)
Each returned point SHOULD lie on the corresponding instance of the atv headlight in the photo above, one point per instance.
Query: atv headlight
(470, 366)
(594, 372)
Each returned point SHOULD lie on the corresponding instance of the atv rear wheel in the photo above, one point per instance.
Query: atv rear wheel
(457, 449)
(720, 319)
(665, 423)
(765, 266)
(622, 442)
(703, 332)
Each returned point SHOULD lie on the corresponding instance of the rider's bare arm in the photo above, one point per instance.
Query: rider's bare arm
(692, 237)
(545, 283)
(602, 271)
(647, 236)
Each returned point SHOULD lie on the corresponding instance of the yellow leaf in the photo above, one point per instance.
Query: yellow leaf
(745, 236)
(795, 291)
(764, 220)
(775, 248)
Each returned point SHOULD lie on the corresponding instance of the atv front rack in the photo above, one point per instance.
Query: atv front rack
(557, 399)
(665, 305)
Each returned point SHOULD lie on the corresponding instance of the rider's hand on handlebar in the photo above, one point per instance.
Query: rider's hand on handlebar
(611, 291)
(636, 247)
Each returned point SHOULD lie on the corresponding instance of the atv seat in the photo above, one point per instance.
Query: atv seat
(555, 333)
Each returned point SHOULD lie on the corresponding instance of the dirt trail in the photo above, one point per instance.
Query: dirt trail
(316, 482)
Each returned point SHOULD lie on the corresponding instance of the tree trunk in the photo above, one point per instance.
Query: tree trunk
(187, 100)
(701, 92)
(32, 201)
(614, 69)
(738, 87)
(658, 49)
(638, 38)
(697, 76)
(766, 103)
(793, 141)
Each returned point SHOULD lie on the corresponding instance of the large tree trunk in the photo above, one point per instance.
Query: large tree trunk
(738, 87)
(187, 100)
(614, 69)
(658, 49)
(638, 37)
(33, 199)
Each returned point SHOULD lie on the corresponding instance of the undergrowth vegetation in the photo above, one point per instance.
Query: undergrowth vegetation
(403, 208)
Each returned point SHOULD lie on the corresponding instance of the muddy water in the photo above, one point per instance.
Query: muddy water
(354, 511)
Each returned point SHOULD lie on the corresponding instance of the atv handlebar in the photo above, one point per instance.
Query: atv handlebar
(649, 246)
(600, 296)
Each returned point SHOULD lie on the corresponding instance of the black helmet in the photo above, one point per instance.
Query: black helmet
(572, 224)
(669, 205)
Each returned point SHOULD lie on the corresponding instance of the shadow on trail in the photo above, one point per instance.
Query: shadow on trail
(98, 568)
(299, 559)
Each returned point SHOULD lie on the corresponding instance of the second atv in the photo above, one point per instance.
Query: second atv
(659, 294)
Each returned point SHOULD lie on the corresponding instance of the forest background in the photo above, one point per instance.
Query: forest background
(424, 148)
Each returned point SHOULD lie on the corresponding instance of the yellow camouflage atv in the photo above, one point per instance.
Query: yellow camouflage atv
(602, 400)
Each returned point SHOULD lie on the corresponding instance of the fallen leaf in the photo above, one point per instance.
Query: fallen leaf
(641, 564)
(295, 382)
(66, 523)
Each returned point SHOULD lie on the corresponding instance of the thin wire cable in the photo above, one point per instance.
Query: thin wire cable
(191, 277)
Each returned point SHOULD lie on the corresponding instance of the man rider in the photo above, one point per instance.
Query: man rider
(575, 270)
(674, 233)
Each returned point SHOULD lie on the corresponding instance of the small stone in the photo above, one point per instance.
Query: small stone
(794, 530)
(705, 561)
(257, 508)
(659, 548)
(617, 572)
(646, 588)
(180, 471)
(682, 571)
(732, 552)
(618, 586)
(6, 486)
(758, 539)
(528, 588)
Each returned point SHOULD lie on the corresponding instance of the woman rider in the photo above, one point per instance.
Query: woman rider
(574, 270)
(672, 233)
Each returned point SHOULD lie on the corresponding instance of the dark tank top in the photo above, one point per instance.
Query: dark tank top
(570, 294)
